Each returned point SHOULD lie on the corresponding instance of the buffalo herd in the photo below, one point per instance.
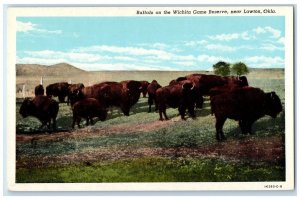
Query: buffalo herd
(230, 97)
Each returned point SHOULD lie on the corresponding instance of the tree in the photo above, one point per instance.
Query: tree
(222, 68)
(239, 68)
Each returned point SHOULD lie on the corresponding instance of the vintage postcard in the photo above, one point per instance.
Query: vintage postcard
(193, 98)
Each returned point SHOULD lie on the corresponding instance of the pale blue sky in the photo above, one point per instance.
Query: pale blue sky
(151, 43)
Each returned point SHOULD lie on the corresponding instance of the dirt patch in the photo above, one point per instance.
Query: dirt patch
(269, 149)
(96, 132)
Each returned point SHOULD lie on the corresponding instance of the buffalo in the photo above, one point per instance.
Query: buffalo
(204, 83)
(72, 89)
(144, 86)
(60, 90)
(178, 95)
(124, 94)
(151, 89)
(246, 105)
(41, 107)
(88, 108)
(97, 91)
(39, 90)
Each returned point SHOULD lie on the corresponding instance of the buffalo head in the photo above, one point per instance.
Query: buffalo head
(273, 104)
(26, 108)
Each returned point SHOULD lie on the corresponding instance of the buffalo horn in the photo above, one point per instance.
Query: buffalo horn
(193, 86)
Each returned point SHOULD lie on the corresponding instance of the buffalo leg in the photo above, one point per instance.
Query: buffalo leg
(149, 110)
(125, 110)
(156, 107)
(68, 100)
(199, 102)
(165, 114)
(245, 126)
(48, 124)
(92, 121)
(54, 124)
(161, 110)
(61, 99)
(192, 111)
(87, 121)
(44, 123)
(242, 125)
(249, 127)
(78, 121)
(219, 128)
(150, 102)
(181, 110)
(160, 115)
(74, 120)
(144, 94)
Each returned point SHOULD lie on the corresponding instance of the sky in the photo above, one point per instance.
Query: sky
(151, 43)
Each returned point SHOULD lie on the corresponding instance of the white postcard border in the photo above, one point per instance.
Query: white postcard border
(14, 12)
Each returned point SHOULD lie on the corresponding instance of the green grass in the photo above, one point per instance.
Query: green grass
(155, 169)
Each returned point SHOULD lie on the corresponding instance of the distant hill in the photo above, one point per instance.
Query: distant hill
(60, 69)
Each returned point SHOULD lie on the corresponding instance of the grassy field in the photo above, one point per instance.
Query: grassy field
(140, 148)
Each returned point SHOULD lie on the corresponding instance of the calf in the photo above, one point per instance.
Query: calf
(41, 107)
(88, 108)
(246, 105)
(151, 89)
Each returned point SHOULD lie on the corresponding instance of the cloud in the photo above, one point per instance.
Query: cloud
(259, 30)
(212, 59)
(275, 33)
(264, 61)
(137, 51)
(195, 43)
(245, 35)
(67, 56)
(225, 37)
(186, 63)
(159, 45)
(232, 36)
(26, 27)
(270, 47)
(220, 47)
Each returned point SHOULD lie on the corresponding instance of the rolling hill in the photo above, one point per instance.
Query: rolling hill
(44, 70)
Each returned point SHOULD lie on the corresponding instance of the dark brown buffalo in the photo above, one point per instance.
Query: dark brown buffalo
(144, 86)
(98, 91)
(207, 82)
(204, 83)
(245, 105)
(73, 88)
(60, 90)
(178, 95)
(39, 90)
(127, 96)
(88, 108)
(151, 89)
(222, 89)
(41, 107)
(124, 94)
